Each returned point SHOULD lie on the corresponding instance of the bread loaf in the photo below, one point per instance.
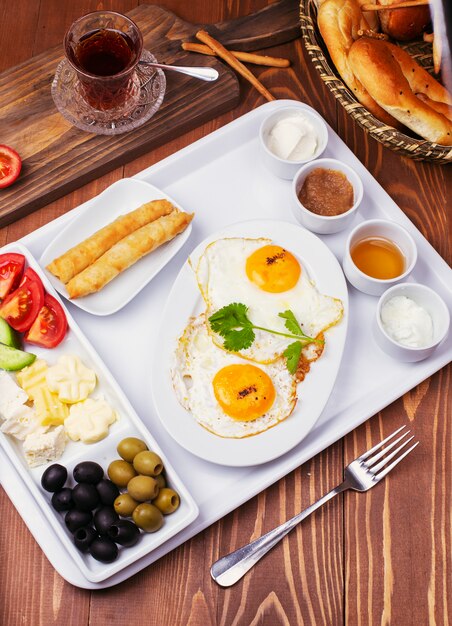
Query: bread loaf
(392, 79)
(339, 22)
(403, 24)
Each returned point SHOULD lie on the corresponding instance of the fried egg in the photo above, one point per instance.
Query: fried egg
(269, 280)
(226, 394)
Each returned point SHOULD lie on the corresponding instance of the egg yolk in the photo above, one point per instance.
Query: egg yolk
(273, 269)
(244, 392)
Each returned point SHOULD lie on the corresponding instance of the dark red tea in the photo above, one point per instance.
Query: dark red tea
(104, 52)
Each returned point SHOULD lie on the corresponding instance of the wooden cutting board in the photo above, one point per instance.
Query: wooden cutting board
(58, 157)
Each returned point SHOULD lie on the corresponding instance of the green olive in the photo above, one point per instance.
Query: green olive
(120, 472)
(148, 517)
(148, 463)
(161, 482)
(143, 488)
(124, 505)
(129, 447)
(167, 501)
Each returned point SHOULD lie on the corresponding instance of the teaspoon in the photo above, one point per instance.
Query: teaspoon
(203, 73)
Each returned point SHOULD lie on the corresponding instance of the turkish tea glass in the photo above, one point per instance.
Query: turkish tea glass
(104, 48)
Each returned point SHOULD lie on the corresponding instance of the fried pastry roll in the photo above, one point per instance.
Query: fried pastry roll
(126, 252)
(85, 253)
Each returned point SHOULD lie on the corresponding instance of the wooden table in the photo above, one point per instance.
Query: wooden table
(379, 558)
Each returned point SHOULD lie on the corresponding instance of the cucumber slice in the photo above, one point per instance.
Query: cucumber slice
(12, 359)
(8, 335)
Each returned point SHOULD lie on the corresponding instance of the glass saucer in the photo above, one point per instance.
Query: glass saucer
(151, 85)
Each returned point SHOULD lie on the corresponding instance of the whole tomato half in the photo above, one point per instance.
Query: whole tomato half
(22, 306)
(50, 325)
(11, 270)
(10, 166)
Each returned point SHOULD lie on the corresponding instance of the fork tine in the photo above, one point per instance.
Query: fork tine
(379, 466)
(386, 471)
(367, 454)
(378, 456)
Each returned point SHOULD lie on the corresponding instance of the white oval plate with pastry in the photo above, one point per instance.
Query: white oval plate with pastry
(101, 259)
(185, 302)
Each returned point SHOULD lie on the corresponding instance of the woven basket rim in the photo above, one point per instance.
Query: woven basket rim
(418, 149)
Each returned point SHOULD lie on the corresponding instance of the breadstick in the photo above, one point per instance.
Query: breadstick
(126, 252)
(85, 253)
(236, 65)
(247, 57)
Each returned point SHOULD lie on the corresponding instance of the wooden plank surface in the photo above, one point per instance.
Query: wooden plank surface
(50, 145)
(381, 558)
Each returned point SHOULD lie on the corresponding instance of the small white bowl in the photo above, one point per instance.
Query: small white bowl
(428, 300)
(283, 168)
(325, 224)
(387, 230)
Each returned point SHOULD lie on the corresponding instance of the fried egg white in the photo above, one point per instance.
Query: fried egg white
(269, 280)
(227, 395)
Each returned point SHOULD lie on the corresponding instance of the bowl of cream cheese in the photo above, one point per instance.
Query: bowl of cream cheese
(411, 321)
(290, 137)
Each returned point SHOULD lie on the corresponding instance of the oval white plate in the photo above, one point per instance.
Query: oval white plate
(122, 197)
(185, 301)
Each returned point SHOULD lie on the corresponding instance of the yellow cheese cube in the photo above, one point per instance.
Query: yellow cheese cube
(33, 377)
(49, 409)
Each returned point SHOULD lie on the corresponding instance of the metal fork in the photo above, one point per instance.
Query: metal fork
(360, 475)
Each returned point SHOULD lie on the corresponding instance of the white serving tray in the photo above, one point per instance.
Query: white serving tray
(222, 179)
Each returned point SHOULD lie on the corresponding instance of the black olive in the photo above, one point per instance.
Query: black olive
(54, 478)
(88, 472)
(104, 518)
(108, 491)
(124, 532)
(103, 549)
(85, 497)
(76, 519)
(84, 537)
(62, 500)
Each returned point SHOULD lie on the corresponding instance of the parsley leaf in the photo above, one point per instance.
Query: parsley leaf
(233, 324)
(291, 323)
(237, 340)
(292, 354)
(230, 317)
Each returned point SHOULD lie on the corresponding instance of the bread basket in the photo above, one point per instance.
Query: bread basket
(414, 148)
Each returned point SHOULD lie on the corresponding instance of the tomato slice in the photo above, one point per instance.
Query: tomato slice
(22, 306)
(11, 269)
(10, 166)
(50, 326)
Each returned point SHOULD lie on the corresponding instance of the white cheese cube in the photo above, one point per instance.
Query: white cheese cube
(11, 396)
(40, 448)
(22, 423)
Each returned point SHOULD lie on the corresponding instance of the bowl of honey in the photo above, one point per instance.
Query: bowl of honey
(378, 254)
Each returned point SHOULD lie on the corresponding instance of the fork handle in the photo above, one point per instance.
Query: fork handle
(230, 568)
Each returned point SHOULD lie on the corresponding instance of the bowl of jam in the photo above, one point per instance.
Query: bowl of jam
(326, 195)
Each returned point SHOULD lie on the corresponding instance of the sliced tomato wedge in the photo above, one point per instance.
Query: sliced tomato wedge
(50, 326)
(10, 166)
(22, 306)
(11, 270)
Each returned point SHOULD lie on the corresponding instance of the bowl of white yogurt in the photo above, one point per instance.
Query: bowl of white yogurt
(411, 321)
(290, 137)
